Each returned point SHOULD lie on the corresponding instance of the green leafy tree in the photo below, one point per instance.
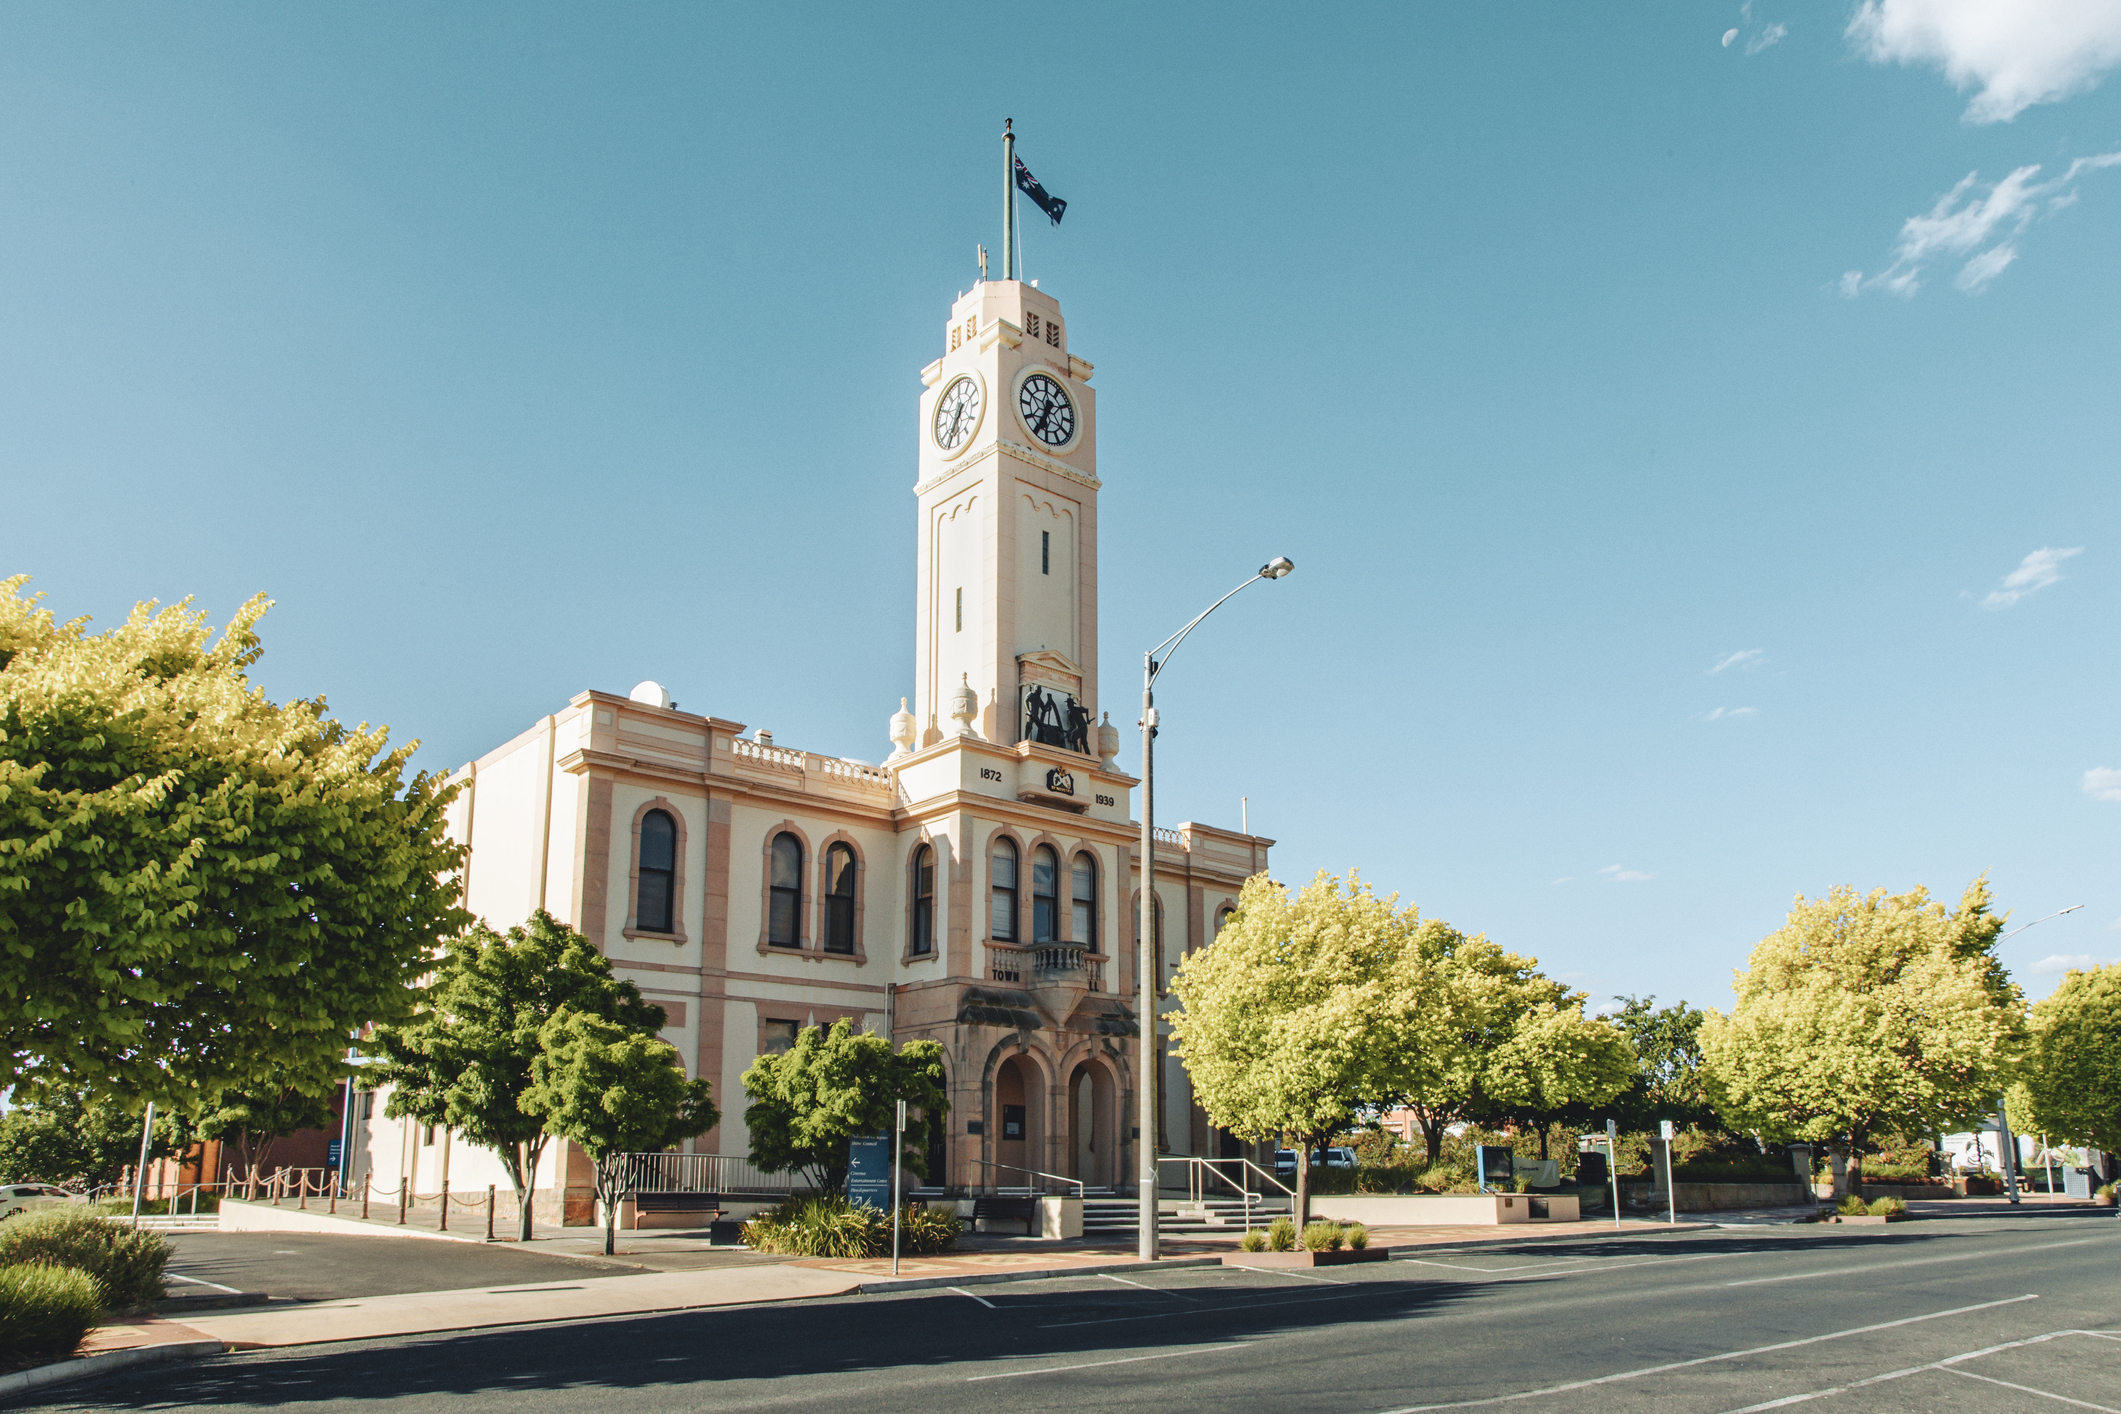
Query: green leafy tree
(465, 1058)
(2073, 1070)
(1288, 1023)
(832, 1085)
(1668, 1081)
(1495, 1038)
(1866, 1015)
(615, 1091)
(254, 1118)
(200, 890)
(82, 1141)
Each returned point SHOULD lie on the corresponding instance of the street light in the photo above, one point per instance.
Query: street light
(1145, 961)
(2006, 1143)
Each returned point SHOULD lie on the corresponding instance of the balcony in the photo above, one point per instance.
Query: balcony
(1045, 965)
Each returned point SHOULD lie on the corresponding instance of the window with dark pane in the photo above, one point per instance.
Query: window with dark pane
(1045, 552)
(923, 901)
(780, 1036)
(654, 902)
(839, 899)
(1002, 878)
(1086, 901)
(1045, 895)
(785, 907)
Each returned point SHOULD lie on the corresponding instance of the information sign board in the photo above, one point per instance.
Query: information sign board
(869, 1171)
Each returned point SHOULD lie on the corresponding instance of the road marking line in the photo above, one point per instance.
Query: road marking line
(2028, 1389)
(1910, 1262)
(1160, 1291)
(201, 1281)
(1096, 1364)
(1206, 1310)
(1288, 1272)
(1943, 1364)
(981, 1299)
(1713, 1359)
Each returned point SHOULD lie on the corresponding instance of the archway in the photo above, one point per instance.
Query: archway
(1093, 1143)
(1018, 1122)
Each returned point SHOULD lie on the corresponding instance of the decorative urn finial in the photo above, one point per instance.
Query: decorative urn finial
(1107, 742)
(964, 707)
(901, 732)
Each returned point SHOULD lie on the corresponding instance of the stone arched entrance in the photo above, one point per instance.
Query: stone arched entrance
(1091, 1125)
(1019, 1121)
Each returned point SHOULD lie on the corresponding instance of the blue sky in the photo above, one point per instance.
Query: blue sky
(1653, 566)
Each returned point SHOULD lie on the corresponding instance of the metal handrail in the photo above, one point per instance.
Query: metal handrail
(1035, 1173)
(1197, 1167)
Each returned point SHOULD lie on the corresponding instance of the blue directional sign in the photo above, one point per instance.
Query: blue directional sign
(331, 1160)
(869, 1171)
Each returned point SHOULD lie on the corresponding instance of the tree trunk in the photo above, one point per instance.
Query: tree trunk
(523, 1175)
(1859, 1136)
(1432, 1135)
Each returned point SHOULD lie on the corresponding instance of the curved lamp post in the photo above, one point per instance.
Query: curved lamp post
(1145, 961)
(2006, 1142)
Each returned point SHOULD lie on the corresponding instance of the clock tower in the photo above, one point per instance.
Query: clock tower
(1007, 598)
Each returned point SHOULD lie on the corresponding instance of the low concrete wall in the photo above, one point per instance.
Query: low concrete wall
(1060, 1218)
(1716, 1197)
(1424, 1209)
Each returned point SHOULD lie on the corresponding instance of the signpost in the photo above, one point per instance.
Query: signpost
(1494, 1166)
(1612, 1163)
(1671, 1184)
(898, 1151)
(869, 1170)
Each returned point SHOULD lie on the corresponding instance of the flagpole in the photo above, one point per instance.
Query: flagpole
(1008, 198)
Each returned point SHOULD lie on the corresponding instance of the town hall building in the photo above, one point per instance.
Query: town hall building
(979, 888)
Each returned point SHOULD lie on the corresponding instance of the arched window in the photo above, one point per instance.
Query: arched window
(1045, 895)
(839, 899)
(1001, 923)
(923, 941)
(1223, 916)
(657, 890)
(784, 912)
(1085, 919)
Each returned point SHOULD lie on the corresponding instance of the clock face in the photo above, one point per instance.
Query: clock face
(1046, 411)
(957, 414)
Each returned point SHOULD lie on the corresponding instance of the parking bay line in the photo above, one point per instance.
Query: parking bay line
(1945, 1364)
(2028, 1389)
(1711, 1360)
(201, 1281)
(1912, 1262)
(1097, 1364)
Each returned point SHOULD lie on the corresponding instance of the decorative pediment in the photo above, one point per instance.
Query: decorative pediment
(1052, 669)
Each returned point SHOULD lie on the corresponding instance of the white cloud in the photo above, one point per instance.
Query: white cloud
(2034, 573)
(1744, 658)
(2064, 961)
(2017, 52)
(1770, 36)
(1563, 879)
(1728, 36)
(1982, 227)
(1615, 874)
(1721, 712)
(2103, 783)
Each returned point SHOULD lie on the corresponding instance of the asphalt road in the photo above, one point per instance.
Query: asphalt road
(1995, 1313)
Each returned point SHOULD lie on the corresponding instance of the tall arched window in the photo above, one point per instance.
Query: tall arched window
(839, 899)
(1001, 922)
(923, 941)
(657, 889)
(785, 908)
(1085, 919)
(1045, 895)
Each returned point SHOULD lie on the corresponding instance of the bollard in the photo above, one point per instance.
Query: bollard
(489, 1212)
(302, 1189)
(445, 1205)
(367, 1182)
(401, 1202)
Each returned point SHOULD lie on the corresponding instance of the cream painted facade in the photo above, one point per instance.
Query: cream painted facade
(1030, 996)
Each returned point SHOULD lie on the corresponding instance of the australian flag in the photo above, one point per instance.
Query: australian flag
(1053, 206)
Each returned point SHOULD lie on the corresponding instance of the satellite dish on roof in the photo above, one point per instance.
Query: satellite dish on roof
(651, 693)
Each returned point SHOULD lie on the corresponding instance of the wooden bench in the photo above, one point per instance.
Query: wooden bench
(1023, 1210)
(676, 1209)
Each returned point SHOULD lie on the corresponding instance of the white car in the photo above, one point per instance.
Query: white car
(28, 1197)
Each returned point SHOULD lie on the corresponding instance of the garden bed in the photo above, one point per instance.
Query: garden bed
(1307, 1259)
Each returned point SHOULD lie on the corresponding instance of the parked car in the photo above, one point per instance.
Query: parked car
(1337, 1156)
(27, 1197)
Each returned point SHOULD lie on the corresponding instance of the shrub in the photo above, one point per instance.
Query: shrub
(1888, 1208)
(125, 1265)
(2108, 1190)
(1358, 1236)
(926, 1231)
(44, 1312)
(1253, 1241)
(1853, 1206)
(1323, 1236)
(834, 1227)
(1281, 1234)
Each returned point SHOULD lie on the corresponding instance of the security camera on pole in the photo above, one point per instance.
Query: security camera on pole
(1145, 960)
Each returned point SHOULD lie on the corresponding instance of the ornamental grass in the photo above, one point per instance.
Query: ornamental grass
(125, 1265)
(44, 1312)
